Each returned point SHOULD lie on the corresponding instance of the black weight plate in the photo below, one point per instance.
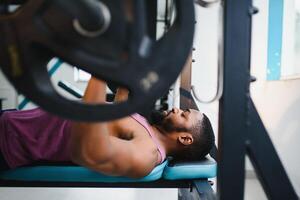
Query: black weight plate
(30, 37)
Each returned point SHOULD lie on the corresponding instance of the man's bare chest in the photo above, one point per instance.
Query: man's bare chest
(128, 129)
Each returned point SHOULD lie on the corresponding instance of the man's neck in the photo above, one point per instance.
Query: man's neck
(168, 146)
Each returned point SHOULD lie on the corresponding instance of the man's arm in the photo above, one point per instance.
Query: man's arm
(90, 142)
(121, 94)
(93, 147)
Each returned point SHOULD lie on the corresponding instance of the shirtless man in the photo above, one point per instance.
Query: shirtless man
(129, 146)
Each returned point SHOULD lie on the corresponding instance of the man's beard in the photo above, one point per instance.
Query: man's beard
(157, 117)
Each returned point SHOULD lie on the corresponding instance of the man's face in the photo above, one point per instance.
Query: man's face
(177, 120)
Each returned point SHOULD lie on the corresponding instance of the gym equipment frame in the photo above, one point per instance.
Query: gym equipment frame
(248, 134)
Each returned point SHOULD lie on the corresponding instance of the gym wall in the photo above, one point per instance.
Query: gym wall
(278, 102)
(64, 73)
(7, 93)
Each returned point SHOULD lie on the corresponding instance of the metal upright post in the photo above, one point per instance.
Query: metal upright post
(233, 105)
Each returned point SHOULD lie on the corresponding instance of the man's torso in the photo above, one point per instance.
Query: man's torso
(36, 135)
(131, 130)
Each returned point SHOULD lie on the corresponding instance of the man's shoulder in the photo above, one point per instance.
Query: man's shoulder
(144, 163)
(128, 128)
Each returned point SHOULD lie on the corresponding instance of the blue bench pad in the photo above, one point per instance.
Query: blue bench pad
(206, 168)
(203, 169)
(73, 174)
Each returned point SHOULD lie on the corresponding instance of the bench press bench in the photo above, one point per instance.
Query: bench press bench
(165, 175)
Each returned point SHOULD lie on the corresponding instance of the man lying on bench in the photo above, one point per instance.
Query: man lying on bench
(129, 146)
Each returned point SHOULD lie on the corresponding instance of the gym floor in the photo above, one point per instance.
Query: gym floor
(252, 188)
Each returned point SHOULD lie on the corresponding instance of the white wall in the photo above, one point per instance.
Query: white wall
(64, 73)
(204, 69)
(7, 92)
(278, 102)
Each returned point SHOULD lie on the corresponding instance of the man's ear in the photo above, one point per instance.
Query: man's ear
(186, 139)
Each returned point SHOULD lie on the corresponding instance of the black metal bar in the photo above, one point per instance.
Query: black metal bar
(14, 2)
(151, 17)
(204, 190)
(70, 89)
(188, 194)
(167, 21)
(200, 190)
(154, 184)
(233, 105)
(266, 162)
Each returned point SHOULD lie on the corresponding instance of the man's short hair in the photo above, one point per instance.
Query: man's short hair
(204, 140)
